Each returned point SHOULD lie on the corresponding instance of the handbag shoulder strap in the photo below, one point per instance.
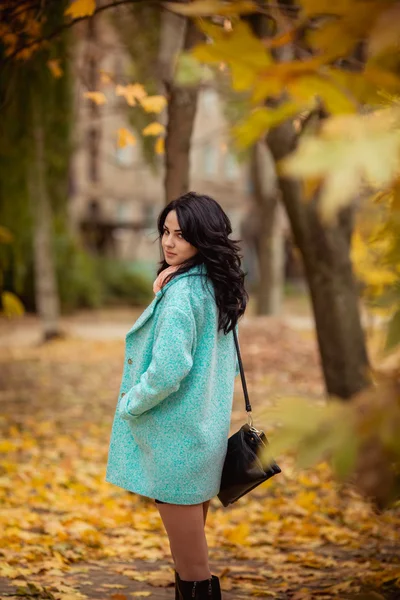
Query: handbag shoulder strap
(246, 395)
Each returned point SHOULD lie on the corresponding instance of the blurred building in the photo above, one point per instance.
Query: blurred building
(115, 186)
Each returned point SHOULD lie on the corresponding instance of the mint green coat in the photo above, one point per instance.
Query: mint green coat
(171, 425)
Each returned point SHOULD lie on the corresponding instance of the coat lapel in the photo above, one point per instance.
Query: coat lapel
(148, 312)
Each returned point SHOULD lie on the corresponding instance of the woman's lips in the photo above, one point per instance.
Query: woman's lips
(169, 253)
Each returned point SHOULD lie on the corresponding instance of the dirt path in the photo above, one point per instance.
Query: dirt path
(67, 534)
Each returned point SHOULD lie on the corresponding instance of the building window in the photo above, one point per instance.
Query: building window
(209, 101)
(122, 212)
(231, 166)
(250, 184)
(125, 155)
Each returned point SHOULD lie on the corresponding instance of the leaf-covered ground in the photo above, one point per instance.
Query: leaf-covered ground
(67, 534)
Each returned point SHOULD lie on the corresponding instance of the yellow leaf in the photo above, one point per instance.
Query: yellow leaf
(264, 86)
(385, 33)
(159, 146)
(310, 187)
(339, 35)
(12, 306)
(208, 8)
(153, 103)
(325, 7)
(335, 99)
(154, 128)
(239, 534)
(131, 92)
(54, 66)
(260, 120)
(239, 48)
(350, 149)
(105, 77)
(96, 97)
(125, 137)
(276, 77)
(394, 198)
(81, 8)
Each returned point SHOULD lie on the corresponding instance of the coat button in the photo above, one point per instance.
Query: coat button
(123, 394)
(130, 361)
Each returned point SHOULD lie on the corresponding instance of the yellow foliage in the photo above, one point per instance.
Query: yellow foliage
(338, 36)
(105, 77)
(337, 100)
(159, 146)
(206, 8)
(125, 137)
(55, 68)
(81, 8)
(238, 535)
(154, 128)
(368, 257)
(245, 54)
(131, 92)
(12, 306)
(153, 103)
(385, 32)
(96, 97)
(260, 120)
(348, 151)
(312, 8)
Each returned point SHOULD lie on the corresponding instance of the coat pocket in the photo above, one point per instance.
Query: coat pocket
(142, 431)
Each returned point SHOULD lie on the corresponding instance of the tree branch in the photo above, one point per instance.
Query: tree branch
(53, 34)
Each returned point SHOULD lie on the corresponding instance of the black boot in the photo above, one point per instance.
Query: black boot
(206, 589)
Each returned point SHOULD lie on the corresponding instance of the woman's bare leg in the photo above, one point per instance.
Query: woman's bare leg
(206, 505)
(184, 525)
(205, 510)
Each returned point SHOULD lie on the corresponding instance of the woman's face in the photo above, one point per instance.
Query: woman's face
(176, 249)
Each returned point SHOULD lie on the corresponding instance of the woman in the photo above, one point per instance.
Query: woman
(170, 430)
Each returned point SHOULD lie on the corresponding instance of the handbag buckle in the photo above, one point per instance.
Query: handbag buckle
(250, 419)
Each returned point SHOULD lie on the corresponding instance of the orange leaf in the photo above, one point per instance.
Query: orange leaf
(54, 66)
(154, 128)
(96, 97)
(81, 8)
(159, 146)
(125, 138)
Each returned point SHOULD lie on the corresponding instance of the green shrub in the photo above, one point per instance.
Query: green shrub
(124, 282)
(78, 280)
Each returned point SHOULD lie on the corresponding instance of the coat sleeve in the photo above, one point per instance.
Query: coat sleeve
(172, 359)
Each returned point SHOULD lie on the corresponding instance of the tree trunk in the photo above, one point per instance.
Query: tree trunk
(182, 106)
(46, 290)
(97, 242)
(326, 255)
(269, 235)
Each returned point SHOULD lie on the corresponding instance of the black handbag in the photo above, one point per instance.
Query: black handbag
(243, 468)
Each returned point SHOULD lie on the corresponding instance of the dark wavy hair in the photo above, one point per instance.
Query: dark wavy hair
(206, 226)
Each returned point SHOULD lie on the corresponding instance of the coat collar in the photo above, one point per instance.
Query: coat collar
(147, 313)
